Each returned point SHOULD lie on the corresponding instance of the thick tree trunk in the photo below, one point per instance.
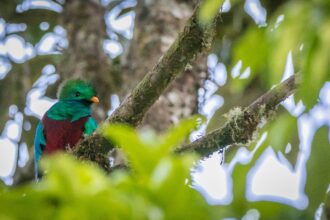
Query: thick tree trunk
(157, 24)
(85, 57)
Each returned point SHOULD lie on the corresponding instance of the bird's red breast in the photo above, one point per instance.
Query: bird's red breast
(60, 134)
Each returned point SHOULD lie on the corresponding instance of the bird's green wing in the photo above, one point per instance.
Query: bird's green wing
(90, 126)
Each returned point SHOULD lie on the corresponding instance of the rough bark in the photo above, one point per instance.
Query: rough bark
(157, 24)
(243, 123)
(193, 40)
(189, 43)
(240, 127)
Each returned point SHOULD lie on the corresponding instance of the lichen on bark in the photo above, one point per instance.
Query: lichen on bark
(194, 39)
(191, 41)
(243, 123)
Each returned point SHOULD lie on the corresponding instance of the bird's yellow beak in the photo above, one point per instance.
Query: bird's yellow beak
(95, 99)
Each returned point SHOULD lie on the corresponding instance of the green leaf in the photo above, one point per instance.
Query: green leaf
(267, 209)
(252, 50)
(176, 135)
(316, 70)
(73, 189)
(285, 37)
(208, 10)
(305, 32)
(70, 177)
(281, 132)
(147, 146)
(318, 175)
(137, 150)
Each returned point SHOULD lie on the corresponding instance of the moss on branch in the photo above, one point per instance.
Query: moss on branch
(194, 39)
(94, 148)
(239, 128)
(243, 123)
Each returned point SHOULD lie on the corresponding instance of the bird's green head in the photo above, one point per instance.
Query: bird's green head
(77, 89)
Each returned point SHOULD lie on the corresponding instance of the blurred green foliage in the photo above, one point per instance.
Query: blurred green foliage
(299, 27)
(318, 175)
(317, 180)
(281, 132)
(158, 184)
(209, 9)
(156, 187)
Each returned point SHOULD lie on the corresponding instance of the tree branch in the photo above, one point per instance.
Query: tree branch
(243, 123)
(194, 39)
(238, 129)
(191, 41)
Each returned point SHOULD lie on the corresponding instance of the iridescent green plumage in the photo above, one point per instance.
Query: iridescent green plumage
(57, 130)
(74, 100)
(70, 89)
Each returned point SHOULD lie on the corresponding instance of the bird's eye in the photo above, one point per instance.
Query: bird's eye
(77, 94)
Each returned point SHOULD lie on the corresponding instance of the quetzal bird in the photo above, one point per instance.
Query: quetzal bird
(67, 121)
